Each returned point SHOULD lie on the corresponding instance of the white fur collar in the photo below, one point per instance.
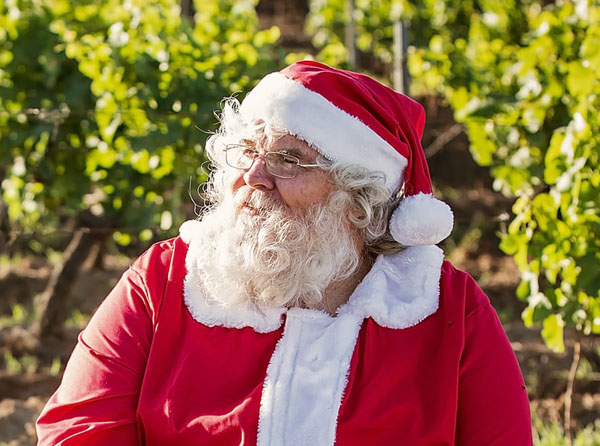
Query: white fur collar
(399, 291)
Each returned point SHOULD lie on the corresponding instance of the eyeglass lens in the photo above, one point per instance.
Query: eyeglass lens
(278, 164)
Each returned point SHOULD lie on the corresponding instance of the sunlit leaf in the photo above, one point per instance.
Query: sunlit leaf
(552, 332)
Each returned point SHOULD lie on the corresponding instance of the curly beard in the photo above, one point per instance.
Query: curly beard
(257, 250)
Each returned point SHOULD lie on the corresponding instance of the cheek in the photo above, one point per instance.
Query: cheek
(233, 180)
(302, 195)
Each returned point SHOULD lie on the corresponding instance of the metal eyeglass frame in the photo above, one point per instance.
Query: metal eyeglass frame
(265, 156)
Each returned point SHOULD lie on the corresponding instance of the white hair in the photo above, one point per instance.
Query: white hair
(370, 206)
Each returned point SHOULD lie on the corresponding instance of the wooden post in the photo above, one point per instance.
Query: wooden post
(188, 10)
(351, 35)
(400, 76)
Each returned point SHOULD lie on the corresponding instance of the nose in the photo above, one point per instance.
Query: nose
(257, 176)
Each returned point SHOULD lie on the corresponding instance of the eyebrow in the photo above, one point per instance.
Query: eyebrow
(249, 142)
(293, 151)
(305, 154)
(299, 153)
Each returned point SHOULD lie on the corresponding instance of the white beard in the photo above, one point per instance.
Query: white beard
(255, 251)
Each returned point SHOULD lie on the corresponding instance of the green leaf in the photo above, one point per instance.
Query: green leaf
(580, 79)
(555, 160)
(511, 243)
(544, 210)
(122, 238)
(482, 147)
(552, 332)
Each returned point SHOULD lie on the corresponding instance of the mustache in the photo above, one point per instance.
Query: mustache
(260, 201)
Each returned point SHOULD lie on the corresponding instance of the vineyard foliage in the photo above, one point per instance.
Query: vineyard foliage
(105, 106)
(523, 77)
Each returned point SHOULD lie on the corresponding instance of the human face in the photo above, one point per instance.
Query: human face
(297, 194)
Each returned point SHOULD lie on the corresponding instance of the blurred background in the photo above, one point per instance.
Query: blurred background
(105, 108)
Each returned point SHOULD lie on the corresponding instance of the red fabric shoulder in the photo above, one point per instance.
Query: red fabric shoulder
(161, 265)
(159, 258)
(458, 288)
(493, 406)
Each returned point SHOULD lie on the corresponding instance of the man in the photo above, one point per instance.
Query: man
(309, 305)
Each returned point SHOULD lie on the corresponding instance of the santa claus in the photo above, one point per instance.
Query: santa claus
(309, 305)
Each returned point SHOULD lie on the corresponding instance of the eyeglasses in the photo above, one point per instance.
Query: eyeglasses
(278, 164)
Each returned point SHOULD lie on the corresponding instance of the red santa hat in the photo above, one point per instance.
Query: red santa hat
(351, 118)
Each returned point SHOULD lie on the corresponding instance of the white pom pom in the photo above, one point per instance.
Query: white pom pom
(188, 229)
(421, 219)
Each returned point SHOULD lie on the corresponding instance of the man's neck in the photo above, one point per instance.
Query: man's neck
(338, 293)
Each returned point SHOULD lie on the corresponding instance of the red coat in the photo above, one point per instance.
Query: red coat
(149, 370)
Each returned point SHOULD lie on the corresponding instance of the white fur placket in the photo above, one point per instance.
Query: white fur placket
(305, 379)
